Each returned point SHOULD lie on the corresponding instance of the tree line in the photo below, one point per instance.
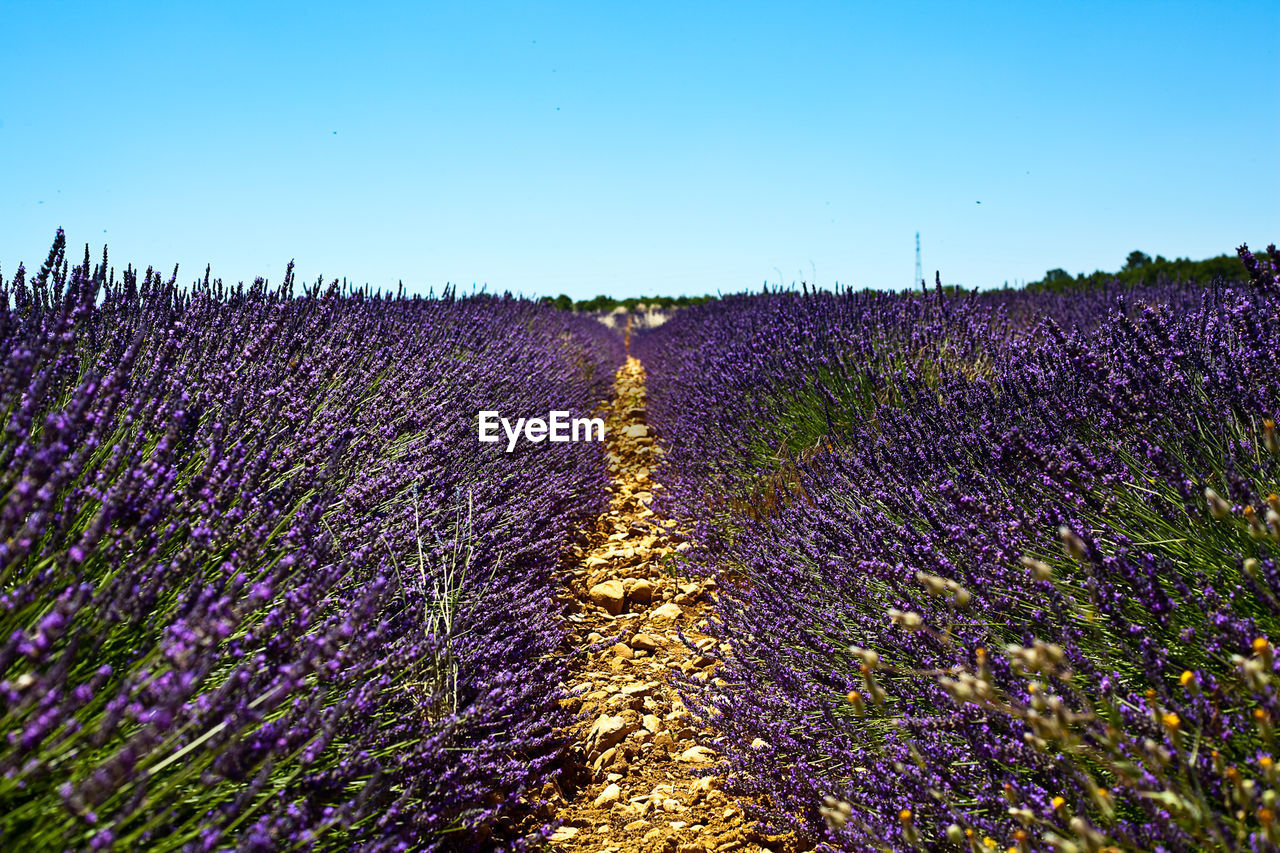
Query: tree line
(1140, 267)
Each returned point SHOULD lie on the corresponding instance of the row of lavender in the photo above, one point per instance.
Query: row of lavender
(260, 587)
(999, 571)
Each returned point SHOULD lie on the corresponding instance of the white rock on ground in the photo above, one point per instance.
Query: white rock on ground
(610, 795)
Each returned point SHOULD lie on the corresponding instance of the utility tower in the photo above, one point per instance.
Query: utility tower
(919, 269)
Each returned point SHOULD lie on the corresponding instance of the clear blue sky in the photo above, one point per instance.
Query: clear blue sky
(637, 148)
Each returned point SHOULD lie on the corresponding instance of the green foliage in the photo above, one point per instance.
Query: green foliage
(1141, 268)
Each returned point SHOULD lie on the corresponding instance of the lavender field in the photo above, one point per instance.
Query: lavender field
(260, 588)
(996, 570)
(999, 569)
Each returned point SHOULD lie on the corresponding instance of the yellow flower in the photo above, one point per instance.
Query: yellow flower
(1171, 721)
(1059, 802)
(989, 843)
(1186, 677)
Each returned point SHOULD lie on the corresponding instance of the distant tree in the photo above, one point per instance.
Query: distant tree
(1057, 276)
(1135, 260)
(563, 302)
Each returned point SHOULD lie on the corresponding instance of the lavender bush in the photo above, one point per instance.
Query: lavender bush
(260, 587)
(999, 569)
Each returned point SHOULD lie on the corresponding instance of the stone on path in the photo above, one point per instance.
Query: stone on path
(667, 612)
(609, 595)
(696, 755)
(606, 732)
(644, 643)
(641, 591)
(610, 795)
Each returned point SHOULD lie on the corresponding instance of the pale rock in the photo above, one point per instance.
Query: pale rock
(609, 595)
(606, 732)
(644, 643)
(641, 592)
(623, 651)
(564, 833)
(610, 795)
(636, 431)
(606, 759)
(696, 755)
(759, 743)
(667, 612)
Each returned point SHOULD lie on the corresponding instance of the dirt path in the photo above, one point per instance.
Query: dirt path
(633, 783)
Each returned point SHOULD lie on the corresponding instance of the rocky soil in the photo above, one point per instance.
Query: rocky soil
(639, 776)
